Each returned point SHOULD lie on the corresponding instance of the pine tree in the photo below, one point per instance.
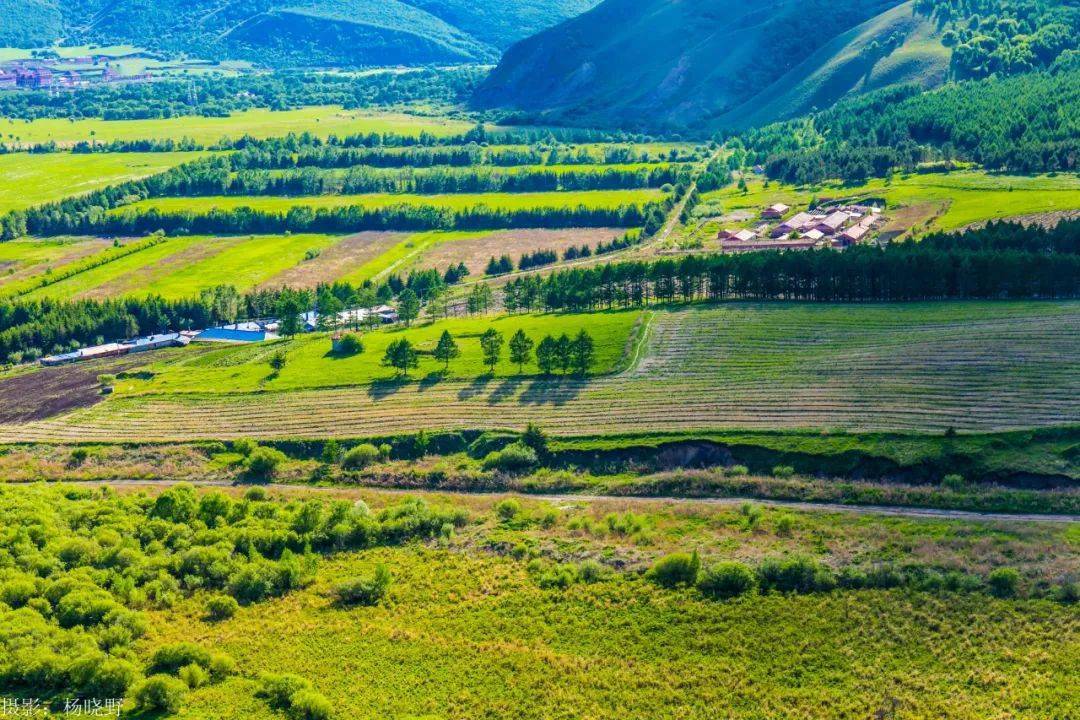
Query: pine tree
(520, 349)
(447, 349)
(582, 353)
(546, 355)
(491, 343)
(408, 306)
(401, 355)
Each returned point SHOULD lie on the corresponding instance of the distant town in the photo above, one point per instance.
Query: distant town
(837, 226)
(64, 73)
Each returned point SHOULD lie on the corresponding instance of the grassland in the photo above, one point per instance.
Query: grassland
(311, 364)
(27, 180)
(977, 367)
(503, 201)
(25, 257)
(472, 627)
(920, 203)
(321, 121)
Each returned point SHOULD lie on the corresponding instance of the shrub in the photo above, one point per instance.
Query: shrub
(360, 457)
(675, 570)
(78, 456)
(738, 470)
(350, 345)
(590, 571)
(1004, 582)
(16, 593)
(1068, 593)
(102, 677)
(953, 482)
(310, 705)
(783, 471)
(365, 591)
(255, 494)
(244, 446)
(263, 463)
(194, 676)
(559, 577)
(785, 524)
(160, 693)
(508, 509)
(515, 457)
(278, 690)
(170, 658)
(799, 575)
(727, 580)
(221, 607)
(221, 666)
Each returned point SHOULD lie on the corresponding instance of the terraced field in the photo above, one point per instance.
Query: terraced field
(917, 367)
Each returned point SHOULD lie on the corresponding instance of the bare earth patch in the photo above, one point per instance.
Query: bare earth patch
(475, 252)
(47, 392)
(337, 261)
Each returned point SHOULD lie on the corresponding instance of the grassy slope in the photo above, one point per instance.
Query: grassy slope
(931, 202)
(28, 180)
(508, 201)
(321, 121)
(311, 365)
(921, 367)
(840, 68)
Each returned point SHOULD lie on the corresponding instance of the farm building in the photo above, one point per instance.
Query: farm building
(852, 235)
(781, 244)
(737, 235)
(793, 224)
(832, 224)
(246, 332)
(775, 212)
(88, 353)
(814, 235)
(157, 342)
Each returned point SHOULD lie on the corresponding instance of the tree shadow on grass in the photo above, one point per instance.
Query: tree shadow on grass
(431, 380)
(474, 388)
(505, 390)
(553, 390)
(384, 388)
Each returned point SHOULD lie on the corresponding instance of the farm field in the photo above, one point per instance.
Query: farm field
(477, 615)
(924, 203)
(601, 199)
(27, 180)
(311, 364)
(921, 367)
(26, 257)
(321, 121)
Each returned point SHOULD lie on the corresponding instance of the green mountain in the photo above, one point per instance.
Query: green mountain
(299, 32)
(726, 64)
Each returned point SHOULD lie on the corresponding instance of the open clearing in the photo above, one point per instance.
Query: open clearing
(905, 367)
(27, 180)
(321, 121)
(476, 249)
(504, 201)
(945, 201)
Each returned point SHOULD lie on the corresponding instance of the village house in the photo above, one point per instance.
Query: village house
(833, 223)
(782, 244)
(814, 235)
(737, 235)
(775, 212)
(793, 224)
(852, 235)
(245, 332)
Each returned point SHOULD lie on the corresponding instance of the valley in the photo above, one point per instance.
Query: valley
(575, 359)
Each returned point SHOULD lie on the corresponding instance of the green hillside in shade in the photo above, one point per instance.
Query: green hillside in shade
(295, 32)
(717, 63)
(28, 23)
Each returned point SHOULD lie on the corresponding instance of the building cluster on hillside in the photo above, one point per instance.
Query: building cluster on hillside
(67, 74)
(251, 331)
(837, 226)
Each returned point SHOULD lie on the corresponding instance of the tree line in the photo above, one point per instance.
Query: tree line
(552, 354)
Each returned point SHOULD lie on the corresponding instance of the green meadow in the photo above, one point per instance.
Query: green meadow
(181, 267)
(27, 180)
(940, 201)
(407, 251)
(503, 201)
(321, 121)
(312, 364)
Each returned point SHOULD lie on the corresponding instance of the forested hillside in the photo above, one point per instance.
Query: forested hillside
(1021, 124)
(305, 32)
(720, 64)
(29, 23)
